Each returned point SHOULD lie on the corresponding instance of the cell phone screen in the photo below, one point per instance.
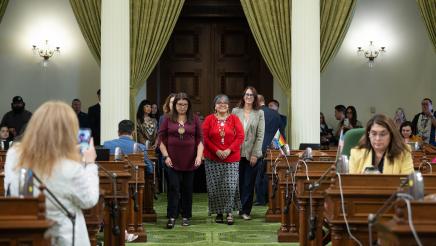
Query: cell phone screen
(84, 138)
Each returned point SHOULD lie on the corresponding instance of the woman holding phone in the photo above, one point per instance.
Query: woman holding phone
(49, 148)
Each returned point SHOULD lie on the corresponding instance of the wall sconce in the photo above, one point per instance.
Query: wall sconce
(371, 53)
(46, 52)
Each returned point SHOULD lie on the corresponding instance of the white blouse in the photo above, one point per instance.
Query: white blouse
(75, 186)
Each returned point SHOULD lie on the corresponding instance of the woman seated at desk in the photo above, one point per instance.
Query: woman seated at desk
(383, 148)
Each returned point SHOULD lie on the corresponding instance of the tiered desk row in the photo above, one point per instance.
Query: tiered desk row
(125, 203)
(363, 194)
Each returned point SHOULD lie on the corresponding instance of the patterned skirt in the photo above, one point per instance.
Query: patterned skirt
(222, 186)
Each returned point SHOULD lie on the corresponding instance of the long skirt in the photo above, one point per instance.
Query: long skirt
(222, 186)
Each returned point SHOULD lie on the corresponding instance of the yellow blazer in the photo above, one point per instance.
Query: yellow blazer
(362, 158)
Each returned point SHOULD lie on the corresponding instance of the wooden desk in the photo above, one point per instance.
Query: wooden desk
(148, 212)
(276, 171)
(94, 218)
(121, 196)
(397, 232)
(3, 156)
(23, 221)
(137, 172)
(294, 225)
(274, 159)
(315, 170)
(363, 194)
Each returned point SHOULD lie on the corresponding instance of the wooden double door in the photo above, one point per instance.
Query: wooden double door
(205, 57)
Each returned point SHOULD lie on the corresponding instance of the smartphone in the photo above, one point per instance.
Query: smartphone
(84, 137)
(346, 122)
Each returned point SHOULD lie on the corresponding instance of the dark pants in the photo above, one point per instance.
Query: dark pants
(180, 185)
(261, 186)
(247, 178)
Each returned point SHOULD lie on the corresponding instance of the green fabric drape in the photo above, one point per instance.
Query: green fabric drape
(335, 18)
(151, 25)
(88, 15)
(428, 12)
(3, 5)
(270, 23)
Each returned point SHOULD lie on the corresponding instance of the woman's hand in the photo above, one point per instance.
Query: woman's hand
(226, 153)
(253, 160)
(197, 161)
(168, 162)
(220, 154)
(89, 154)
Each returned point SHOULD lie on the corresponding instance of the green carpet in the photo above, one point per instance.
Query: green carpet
(204, 231)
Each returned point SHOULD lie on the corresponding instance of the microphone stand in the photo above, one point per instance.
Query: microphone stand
(114, 207)
(70, 216)
(312, 187)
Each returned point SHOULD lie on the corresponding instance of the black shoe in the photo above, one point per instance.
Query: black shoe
(185, 222)
(171, 222)
(219, 219)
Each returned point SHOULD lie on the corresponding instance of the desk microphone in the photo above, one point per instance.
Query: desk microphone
(71, 216)
(307, 154)
(114, 206)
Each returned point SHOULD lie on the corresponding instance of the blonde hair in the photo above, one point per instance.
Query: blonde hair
(51, 135)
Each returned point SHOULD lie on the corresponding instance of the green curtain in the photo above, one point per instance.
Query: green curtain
(88, 15)
(270, 23)
(335, 19)
(151, 25)
(3, 5)
(428, 12)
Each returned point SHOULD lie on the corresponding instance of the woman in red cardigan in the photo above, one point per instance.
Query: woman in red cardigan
(223, 135)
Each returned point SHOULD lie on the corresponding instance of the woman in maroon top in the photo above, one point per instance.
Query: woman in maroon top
(223, 135)
(182, 149)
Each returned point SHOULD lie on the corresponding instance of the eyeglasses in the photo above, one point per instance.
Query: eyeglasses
(382, 135)
(249, 95)
(222, 103)
(182, 104)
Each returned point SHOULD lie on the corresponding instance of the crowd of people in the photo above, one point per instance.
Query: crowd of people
(231, 143)
(421, 129)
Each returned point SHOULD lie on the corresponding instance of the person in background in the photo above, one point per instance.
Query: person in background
(94, 120)
(155, 111)
(76, 104)
(223, 135)
(167, 107)
(351, 119)
(325, 131)
(382, 148)
(273, 123)
(146, 128)
(275, 105)
(406, 133)
(253, 121)
(424, 123)
(340, 116)
(49, 149)
(181, 144)
(399, 117)
(5, 137)
(126, 142)
(17, 118)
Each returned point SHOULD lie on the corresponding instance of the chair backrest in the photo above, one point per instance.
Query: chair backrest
(351, 140)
